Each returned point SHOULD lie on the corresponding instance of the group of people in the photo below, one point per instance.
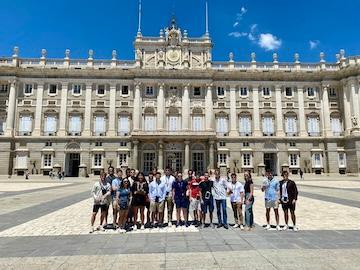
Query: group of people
(195, 196)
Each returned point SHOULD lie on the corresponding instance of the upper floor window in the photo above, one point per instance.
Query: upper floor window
(123, 125)
(222, 144)
(197, 123)
(50, 125)
(99, 125)
(98, 143)
(332, 92)
(28, 89)
(294, 160)
(174, 123)
(243, 91)
(288, 91)
(123, 144)
(149, 91)
(2, 126)
(222, 159)
(52, 89)
(77, 89)
(268, 126)
(313, 126)
(246, 159)
(245, 126)
(246, 144)
(336, 126)
(75, 125)
(266, 91)
(316, 160)
(4, 88)
(310, 92)
(48, 144)
(197, 91)
(101, 89)
(222, 125)
(150, 123)
(292, 144)
(221, 91)
(25, 125)
(125, 90)
(290, 125)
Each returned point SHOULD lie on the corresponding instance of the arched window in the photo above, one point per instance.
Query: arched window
(245, 124)
(313, 121)
(174, 119)
(149, 119)
(291, 124)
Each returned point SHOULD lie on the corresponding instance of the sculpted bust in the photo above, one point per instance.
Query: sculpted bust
(354, 121)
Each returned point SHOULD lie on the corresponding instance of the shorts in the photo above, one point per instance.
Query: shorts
(288, 205)
(157, 206)
(181, 202)
(115, 205)
(194, 204)
(103, 207)
(207, 204)
(271, 204)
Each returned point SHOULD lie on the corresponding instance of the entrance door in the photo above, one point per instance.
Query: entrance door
(149, 161)
(72, 162)
(174, 161)
(270, 161)
(198, 162)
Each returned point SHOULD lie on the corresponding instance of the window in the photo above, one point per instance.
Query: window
(313, 126)
(246, 158)
(294, 160)
(288, 92)
(332, 92)
(268, 126)
(197, 91)
(4, 88)
(47, 160)
(50, 125)
(149, 123)
(101, 90)
(173, 124)
(123, 126)
(125, 90)
(336, 126)
(25, 125)
(149, 91)
(75, 125)
(99, 125)
(97, 160)
(52, 89)
(28, 89)
(342, 160)
(77, 89)
(123, 144)
(246, 144)
(266, 91)
(98, 144)
(316, 159)
(243, 91)
(149, 161)
(197, 123)
(310, 92)
(122, 159)
(222, 125)
(48, 144)
(222, 144)
(290, 128)
(245, 126)
(221, 91)
(2, 126)
(292, 144)
(222, 159)
(21, 160)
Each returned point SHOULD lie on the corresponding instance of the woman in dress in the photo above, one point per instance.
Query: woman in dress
(249, 200)
(140, 191)
(123, 196)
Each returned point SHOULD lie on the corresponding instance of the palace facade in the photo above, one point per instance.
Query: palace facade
(173, 106)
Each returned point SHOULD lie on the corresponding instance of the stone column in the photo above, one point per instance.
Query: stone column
(161, 156)
(187, 155)
(38, 111)
(354, 99)
(256, 112)
(209, 110)
(302, 119)
(279, 115)
(185, 110)
(10, 117)
(88, 116)
(137, 108)
(211, 155)
(135, 155)
(233, 118)
(326, 111)
(112, 111)
(347, 108)
(63, 109)
(160, 108)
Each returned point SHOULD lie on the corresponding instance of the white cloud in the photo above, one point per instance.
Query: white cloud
(313, 44)
(269, 42)
(239, 16)
(238, 34)
(253, 28)
(235, 24)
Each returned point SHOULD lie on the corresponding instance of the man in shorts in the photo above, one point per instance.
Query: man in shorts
(115, 185)
(206, 199)
(179, 190)
(157, 194)
(195, 199)
(288, 195)
(271, 187)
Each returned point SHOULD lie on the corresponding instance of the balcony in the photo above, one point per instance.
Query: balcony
(74, 133)
(123, 133)
(337, 134)
(268, 134)
(24, 133)
(245, 134)
(50, 133)
(222, 134)
(99, 133)
(314, 134)
(291, 134)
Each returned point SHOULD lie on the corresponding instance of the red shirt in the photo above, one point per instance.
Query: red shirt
(194, 188)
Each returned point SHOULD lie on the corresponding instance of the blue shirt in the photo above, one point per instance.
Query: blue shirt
(157, 190)
(115, 184)
(272, 189)
(180, 188)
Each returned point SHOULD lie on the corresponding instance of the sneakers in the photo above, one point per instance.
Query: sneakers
(241, 227)
(267, 227)
(212, 225)
(226, 226)
(102, 228)
(236, 226)
(121, 230)
(134, 227)
(142, 227)
(295, 229)
(219, 226)
(278, 228)
(91, 229)
(285, 228)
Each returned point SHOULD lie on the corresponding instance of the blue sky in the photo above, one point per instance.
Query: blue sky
(240, 26)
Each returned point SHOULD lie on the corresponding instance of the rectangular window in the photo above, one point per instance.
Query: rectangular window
(25, 125)
(125, 90)
(246, 144)
(98, 144)
(47, 160)
(288, 92)
(101, 90)
(243, 91)
(222, 159)
(197, 123)
(266, 91)
(123, 144)
(149, 161)
(50, 125)
(48, 144)
(149, 91)
(28, 89)
(77, 89)
(290, 128)
(123, 126)
(222, 125)
(294, 160)
(150, 123)
(2, 126)
(221, 91)
(75, 125)
(292, 144)
(313, 126)
(197, 91)
(332, 92)
(336, 126)
(97, 160)
(173, 124)
(310, 92)
(52, 89)
(246, 159)
(99, 125)
(317, 160)
(4, 88)
(268, 126)
(245, 126)
(222, 144)
(122, 159)
(342, 160)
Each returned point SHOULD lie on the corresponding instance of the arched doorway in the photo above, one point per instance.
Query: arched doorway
(270, 157)
(198, 160)
(174, 156)
(72, 159)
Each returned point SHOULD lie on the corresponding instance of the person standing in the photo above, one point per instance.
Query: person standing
(115, 185)
(220, 187)
(271, 187)
(101, 193)
(195, 200)
(157, 195)
(123, 197)
(236, 192)
(109, 178)
(168, 180)
(288, 195)
(179, 190)
(206, 199)
(140, 191)
(249, 200)
(301, 174)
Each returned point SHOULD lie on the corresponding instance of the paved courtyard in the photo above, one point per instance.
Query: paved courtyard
(44, 224)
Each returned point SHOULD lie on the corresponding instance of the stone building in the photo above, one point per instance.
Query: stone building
(174, 106)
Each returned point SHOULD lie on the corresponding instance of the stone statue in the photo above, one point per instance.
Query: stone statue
(275, 57)
(354, 121)
(91, 54)
(67, 54)
(161, 55)
(43, 53)
(253, 57)
(138, 54)
(114, 54)
(297, 57)
(231, 57)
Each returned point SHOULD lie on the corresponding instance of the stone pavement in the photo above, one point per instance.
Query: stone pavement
(44, 225)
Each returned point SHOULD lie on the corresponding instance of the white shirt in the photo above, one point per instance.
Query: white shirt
(168, 181)
(236, 190)
(284, 192)
(220, 187)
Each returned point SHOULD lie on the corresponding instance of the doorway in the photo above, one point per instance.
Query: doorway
(198, 163)
(174, 161)
(72, 162)
(270, 161)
